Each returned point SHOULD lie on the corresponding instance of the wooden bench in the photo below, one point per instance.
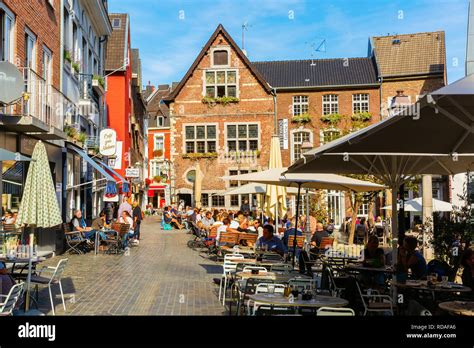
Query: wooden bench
(229, 238)
(299, 241)
(250, 238)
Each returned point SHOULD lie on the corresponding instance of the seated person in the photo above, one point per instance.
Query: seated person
(99, 222)
(270, 242)
(170, 219)
(6, 281)
(291, 232)
(125, 218)
(225, 227)
(412, 259)
(256, 227)
(9, 219)
(317, 237)
(467, 261)
(244, 226)
(78, 224)
(207, 221)
(373, 255)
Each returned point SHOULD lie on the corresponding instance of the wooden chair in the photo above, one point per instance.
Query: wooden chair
(213, 232)
(229, 238)
(299, 241)
(326, 242)
(250, 238)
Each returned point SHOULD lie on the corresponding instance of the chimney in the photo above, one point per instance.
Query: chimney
(399, 102)
(470, 40)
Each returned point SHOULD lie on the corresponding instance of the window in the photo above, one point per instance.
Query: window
(221, 57)
(218, 201)
(328, 135)
(221, 83)
(159, 143)
(66, 23)
(116, 23)
(200, 139)
(336, 209)
(300, 104)
(205, 199)
(160, 121)
(363, 210)
(155, 168)
(330, 104)
(233, 183)
(298, 139)
(74, 42)
(47, 70)
(242, 137)
(6, 36)
(234, 200)
(360, 103)
(30, 50)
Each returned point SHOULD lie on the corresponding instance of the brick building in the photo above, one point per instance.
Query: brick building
(317, 100)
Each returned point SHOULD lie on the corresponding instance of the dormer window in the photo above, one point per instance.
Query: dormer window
(116, 23)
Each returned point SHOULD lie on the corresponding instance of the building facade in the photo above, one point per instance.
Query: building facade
(224, 105)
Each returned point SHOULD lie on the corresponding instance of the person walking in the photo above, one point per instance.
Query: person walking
(137, 219)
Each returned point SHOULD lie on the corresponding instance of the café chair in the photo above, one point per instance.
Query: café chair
(9, 301)
(335, 312)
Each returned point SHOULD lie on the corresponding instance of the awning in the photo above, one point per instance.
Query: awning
(93, 163)
(6, 155)
(156, 187)
(125, 185)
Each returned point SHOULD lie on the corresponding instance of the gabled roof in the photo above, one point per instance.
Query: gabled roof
(219, 30)
(117, 44)
(410, 54)
(318, 72)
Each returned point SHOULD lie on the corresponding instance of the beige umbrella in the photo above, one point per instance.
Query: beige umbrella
(39, 205)
(198, 187)
(275, 202)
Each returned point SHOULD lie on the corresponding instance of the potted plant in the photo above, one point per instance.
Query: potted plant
(219, 100)
(67, 56)
(332, 119)
(301, 119)
(71, 132)
(100, 80)
(360, 120)
(76, 67)
(157, 178)
(81, 137)
(158, 153)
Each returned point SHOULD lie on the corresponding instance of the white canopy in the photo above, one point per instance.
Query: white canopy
(415, 205)
(254, 188)
(307, 180)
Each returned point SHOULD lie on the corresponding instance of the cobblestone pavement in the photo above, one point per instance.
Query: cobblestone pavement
(161, 276)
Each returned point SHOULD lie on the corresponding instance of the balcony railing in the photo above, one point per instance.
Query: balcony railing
(40, 100)
(86, 91)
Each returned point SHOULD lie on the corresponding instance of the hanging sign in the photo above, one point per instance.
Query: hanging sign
(12, 83)
(108, 142)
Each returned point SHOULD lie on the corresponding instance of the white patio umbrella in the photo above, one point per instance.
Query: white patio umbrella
(39, 205)
(281, 177)
(433, 136)
(254, 188)
(416, 205)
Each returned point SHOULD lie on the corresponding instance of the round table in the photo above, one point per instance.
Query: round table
(463, 308)
(278, 277)
(317, 301)
(439, 287)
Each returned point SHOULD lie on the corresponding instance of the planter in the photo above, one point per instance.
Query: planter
(332, 119)
(220, 100)
(301, 119)
(158, 153)
(98, 84)
(211, 155)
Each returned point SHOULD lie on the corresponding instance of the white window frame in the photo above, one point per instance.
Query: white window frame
(215, 84)
(160, 121)
(227, 139)
(338, 198)
(363, 210)
(293, 143)
(321, 134)
(155, 165)
(185, 140)
(159, 137)
(332, 103)
(9, 37)
(49, 55)
(33, 38)
(360, 102)
(298, 102)
(221, 48)
(119, 25)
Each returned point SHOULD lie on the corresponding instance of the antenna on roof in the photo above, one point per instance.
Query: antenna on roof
(317, 46)
(245, 27)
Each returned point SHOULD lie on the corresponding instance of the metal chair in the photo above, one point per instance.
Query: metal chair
(262, 288)
(74, 240)
(10, 300)
(228, 269)
(335, 312)
(374, 302)
(55, 278)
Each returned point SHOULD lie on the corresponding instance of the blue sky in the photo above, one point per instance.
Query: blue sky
(170, 33)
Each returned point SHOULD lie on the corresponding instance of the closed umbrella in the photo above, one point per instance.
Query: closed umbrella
(39, 205)
(198, 187)
(275, 202)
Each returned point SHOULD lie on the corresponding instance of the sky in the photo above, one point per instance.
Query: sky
(171, 33)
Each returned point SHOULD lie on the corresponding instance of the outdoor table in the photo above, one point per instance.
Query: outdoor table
(254, 262)
(41, 256)
(439, 287)
(97, 239)
(463, 308)
(278, 300)
(240, 250)
(279, 277)
(361, 268)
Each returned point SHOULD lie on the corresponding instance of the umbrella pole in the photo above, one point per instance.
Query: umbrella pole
(394, 224)
(296, 223)
(30, 266)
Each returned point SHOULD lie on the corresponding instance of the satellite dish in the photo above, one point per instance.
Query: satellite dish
(11, 83)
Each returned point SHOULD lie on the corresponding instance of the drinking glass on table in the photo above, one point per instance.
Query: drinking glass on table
(271, 288)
